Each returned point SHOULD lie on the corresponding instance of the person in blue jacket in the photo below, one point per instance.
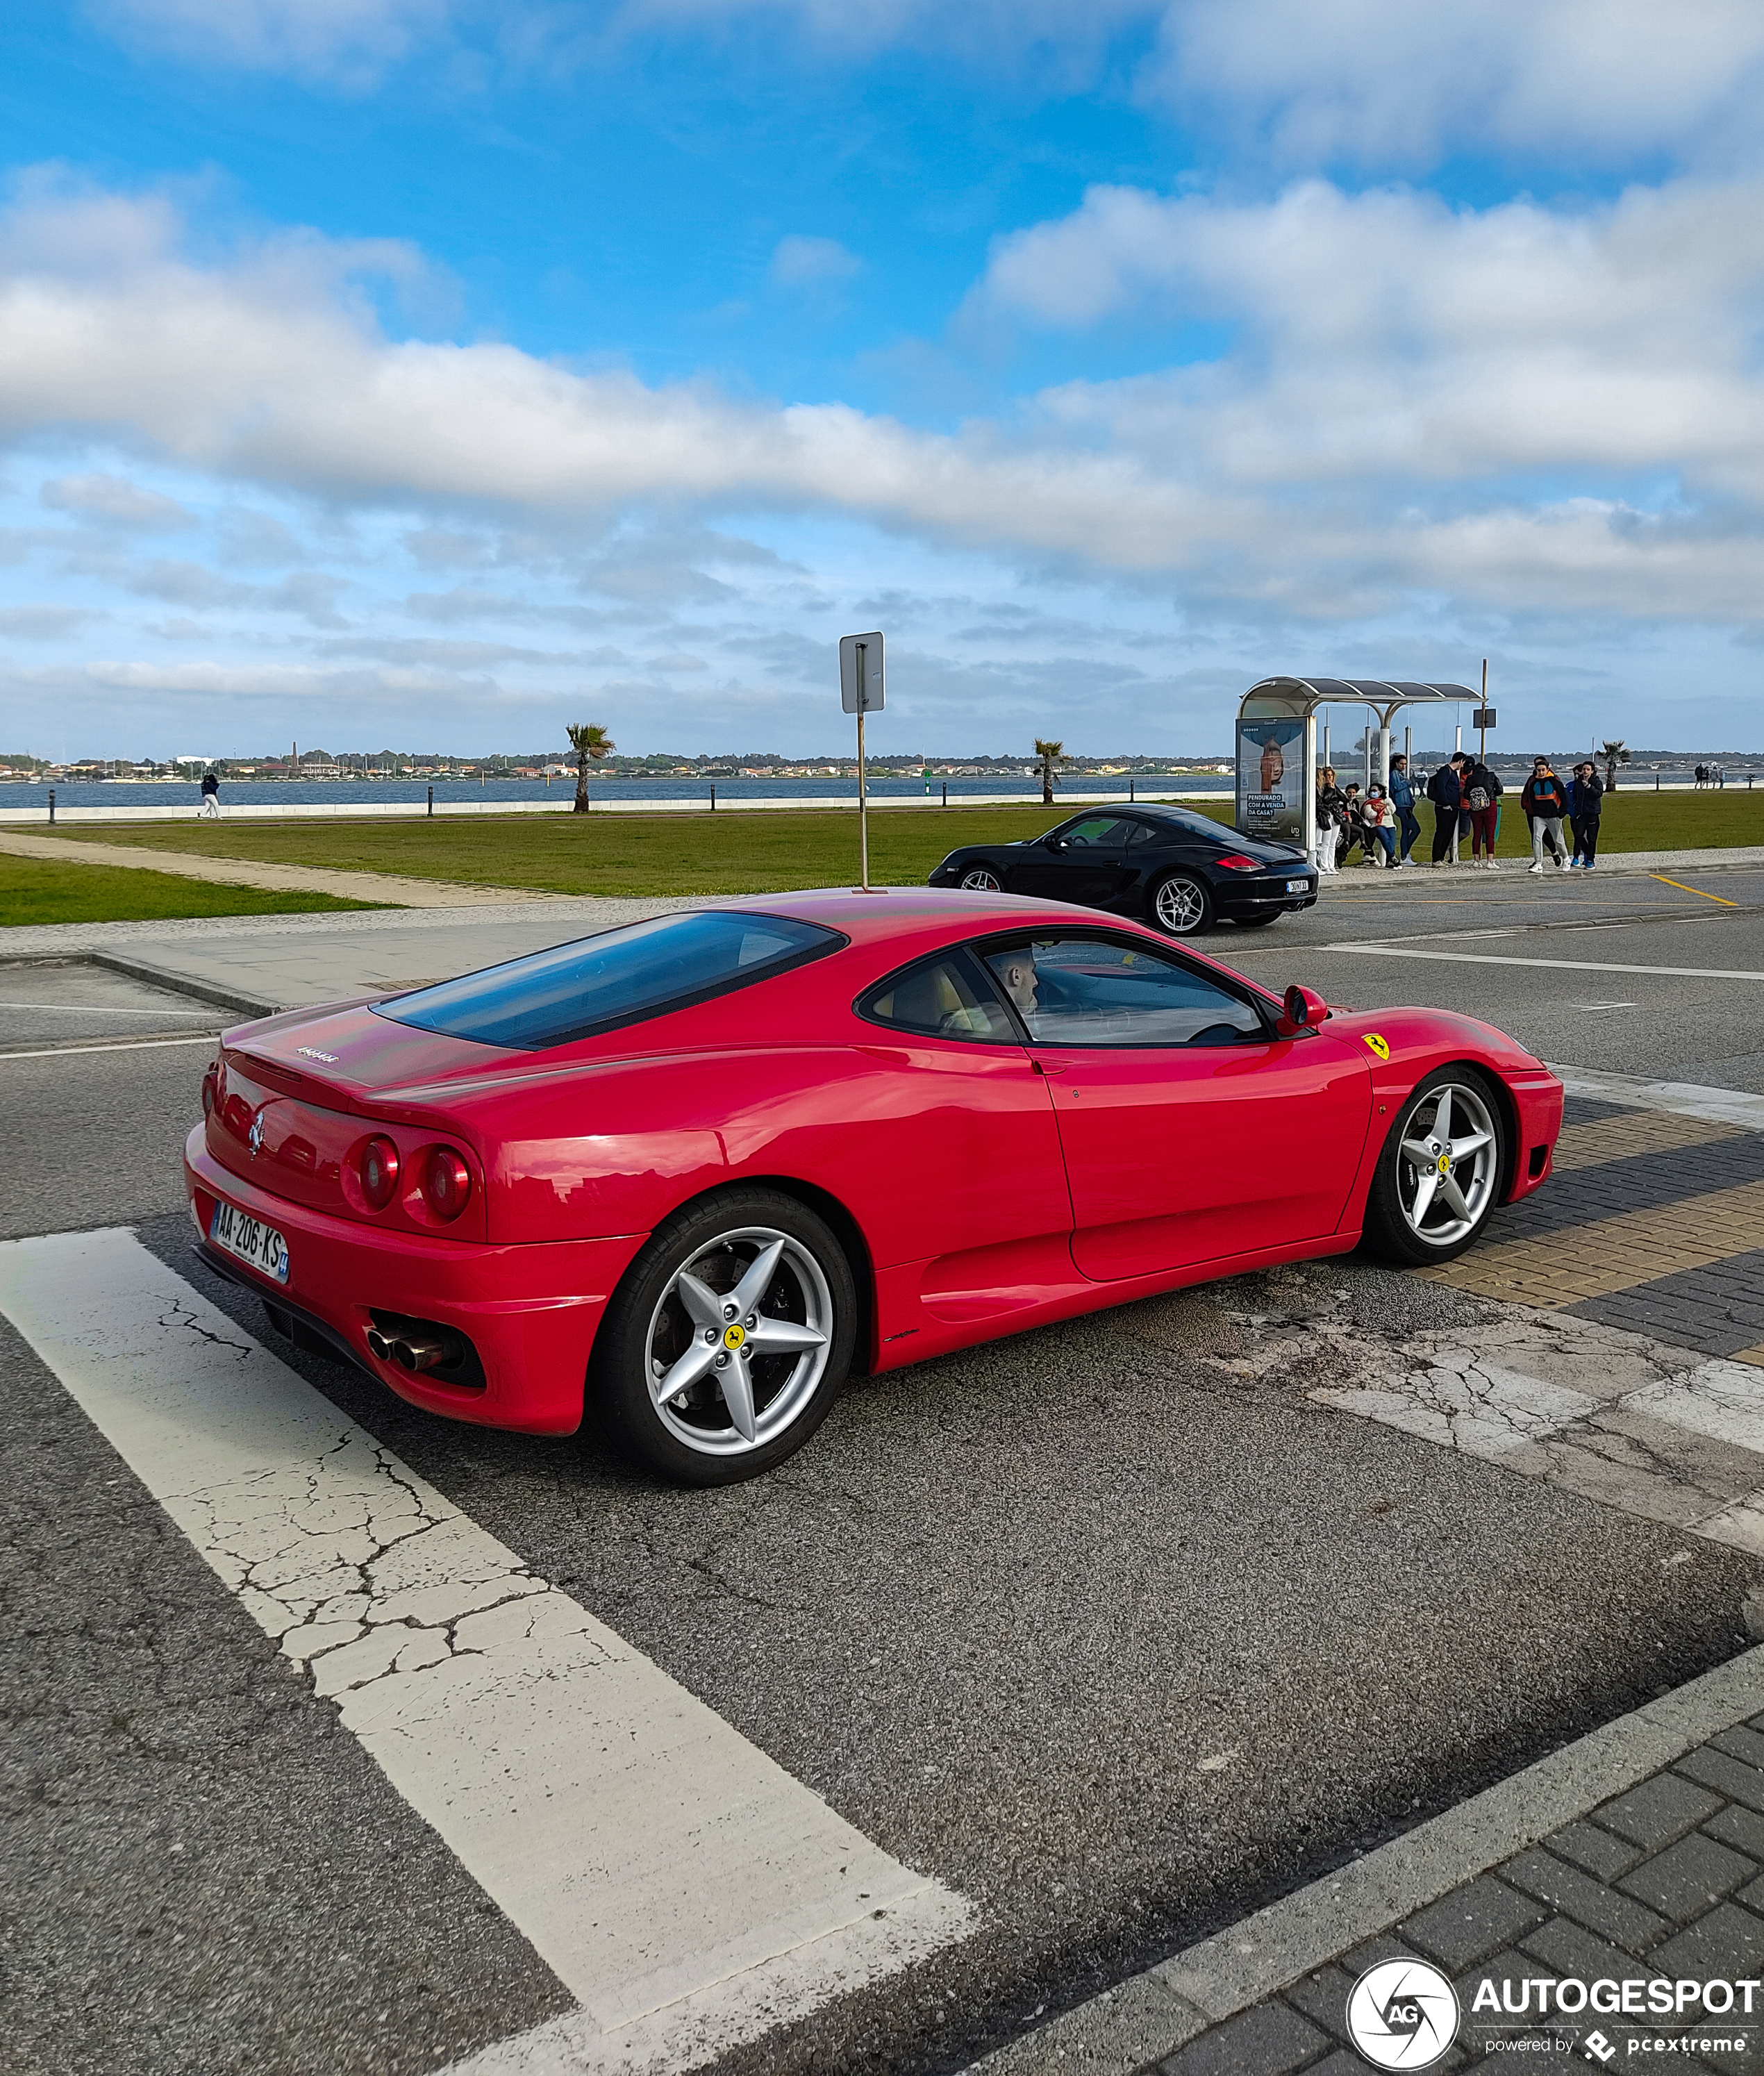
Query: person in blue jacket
(1586, 803)
(1445, 789)
(1402, 795)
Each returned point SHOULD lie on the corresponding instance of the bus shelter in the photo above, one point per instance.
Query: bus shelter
(1277, 744)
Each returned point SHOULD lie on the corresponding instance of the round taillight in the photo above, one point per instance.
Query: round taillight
(446, 1182)
(379, 1172)
(208, 1093)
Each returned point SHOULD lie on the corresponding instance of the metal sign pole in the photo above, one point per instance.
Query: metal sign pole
(860, 689)
(1482, 747)
(863, 796)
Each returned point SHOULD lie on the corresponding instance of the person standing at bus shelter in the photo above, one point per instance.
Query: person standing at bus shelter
(1445, 789)
(1402, 797)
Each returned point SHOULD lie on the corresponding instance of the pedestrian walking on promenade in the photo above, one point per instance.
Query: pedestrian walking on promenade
(1331, 801)
(1586, 802)
(1402, 797)
(1545, 801)
(1482, 799)
(1445, 789)
(211, 797)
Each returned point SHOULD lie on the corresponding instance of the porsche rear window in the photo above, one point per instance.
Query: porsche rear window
(598, 983)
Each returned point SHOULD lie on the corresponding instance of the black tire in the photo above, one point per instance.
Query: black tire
(1390, 1228)
(692, 1439)
(1180, 905)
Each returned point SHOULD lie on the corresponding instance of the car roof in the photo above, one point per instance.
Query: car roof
(929, 915)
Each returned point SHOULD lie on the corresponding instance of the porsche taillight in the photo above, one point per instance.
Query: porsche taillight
(380, 1171)
(1236, 861)
(447, 1183)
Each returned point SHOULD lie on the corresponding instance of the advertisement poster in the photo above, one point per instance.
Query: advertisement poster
(1271, 779)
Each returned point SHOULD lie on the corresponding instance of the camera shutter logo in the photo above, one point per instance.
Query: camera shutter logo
(1402, 2015)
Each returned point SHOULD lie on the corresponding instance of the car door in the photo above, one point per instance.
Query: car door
(1191, 1132)
(1083, 861)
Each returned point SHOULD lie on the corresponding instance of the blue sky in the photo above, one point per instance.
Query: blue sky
(423, 371)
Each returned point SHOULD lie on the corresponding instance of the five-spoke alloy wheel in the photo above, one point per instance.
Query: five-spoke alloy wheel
(1439, 1175)
(980, 879)
(1181, 905)
(728, 1339)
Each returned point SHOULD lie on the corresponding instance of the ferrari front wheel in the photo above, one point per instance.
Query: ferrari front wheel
(1438, 1178)
(728, 1339)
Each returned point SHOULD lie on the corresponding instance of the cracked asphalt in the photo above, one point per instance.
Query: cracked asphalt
(1112, 1627)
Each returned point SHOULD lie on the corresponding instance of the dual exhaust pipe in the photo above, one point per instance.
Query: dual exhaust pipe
(415, 1346)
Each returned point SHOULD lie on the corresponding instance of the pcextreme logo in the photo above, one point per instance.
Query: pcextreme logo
(1402, 2014)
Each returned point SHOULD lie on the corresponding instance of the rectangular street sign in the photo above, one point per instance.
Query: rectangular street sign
(860, 673)
(1483, 718)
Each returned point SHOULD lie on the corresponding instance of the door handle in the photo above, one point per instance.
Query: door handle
(1040, 1069)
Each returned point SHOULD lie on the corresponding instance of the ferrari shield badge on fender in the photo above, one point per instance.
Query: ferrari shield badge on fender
(1380, 1046)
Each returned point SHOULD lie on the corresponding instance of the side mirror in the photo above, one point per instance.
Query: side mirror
(1303, 1009)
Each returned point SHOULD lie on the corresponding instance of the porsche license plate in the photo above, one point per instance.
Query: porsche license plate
(248, 1239)
(1298, 886)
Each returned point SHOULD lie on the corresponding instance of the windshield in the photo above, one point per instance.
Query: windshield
(597, 983)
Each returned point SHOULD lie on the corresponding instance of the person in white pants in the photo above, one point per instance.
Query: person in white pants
(211, 797)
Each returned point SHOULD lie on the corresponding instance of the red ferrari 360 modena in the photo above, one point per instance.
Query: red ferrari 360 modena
(683, 1176)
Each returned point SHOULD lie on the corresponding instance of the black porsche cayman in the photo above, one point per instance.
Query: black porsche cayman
(1177, 870)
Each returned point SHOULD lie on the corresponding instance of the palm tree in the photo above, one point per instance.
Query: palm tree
(1050, 754)
(1613, 753)
(589, 741)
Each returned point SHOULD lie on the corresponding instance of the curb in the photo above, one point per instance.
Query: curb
(218, 997)
(1152, 2015)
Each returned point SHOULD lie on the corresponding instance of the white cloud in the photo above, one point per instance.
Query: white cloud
(1387, 82)
(312, 37)
(1516, 406)
(800, 262)
(113, 500)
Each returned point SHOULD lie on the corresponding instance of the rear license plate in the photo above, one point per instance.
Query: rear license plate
(248, 1239)
(1298, 886)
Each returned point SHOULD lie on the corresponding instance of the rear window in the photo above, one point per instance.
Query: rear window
(597, 983)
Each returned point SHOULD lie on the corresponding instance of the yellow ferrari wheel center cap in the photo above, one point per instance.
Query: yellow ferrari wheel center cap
(733, 1336)
(1444, 1164)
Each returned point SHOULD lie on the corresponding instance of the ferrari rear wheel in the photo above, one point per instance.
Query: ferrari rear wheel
(728, 1339)
(1439, 1175)
(980, 879)
(1181, 905)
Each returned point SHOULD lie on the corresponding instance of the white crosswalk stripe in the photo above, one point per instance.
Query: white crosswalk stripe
(686, 1890)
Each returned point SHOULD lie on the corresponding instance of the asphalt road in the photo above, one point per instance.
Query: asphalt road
(1112, 1638)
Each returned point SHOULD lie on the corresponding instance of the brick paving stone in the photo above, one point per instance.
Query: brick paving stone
(1753, 1897)
(1728, 1942)
(1461, 1928)
(1657, 1811)
(1742, 1743)
(1323, 1998)
(1594, 1851)
(1731, 1778)
(1270, 2039)
(1381, 1946)
(1684, 1880)
(1570, 1949)
(1627, 1923)
(1743, 1829)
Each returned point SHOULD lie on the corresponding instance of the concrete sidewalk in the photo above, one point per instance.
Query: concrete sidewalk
(253, 965)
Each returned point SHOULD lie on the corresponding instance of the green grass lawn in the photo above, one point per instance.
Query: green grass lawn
(765, 852)
(41, 891)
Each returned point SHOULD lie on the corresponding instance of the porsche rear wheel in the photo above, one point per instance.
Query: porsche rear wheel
(980, 879)
(728, 1339)
(1438, 1178)
(1181, 905)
